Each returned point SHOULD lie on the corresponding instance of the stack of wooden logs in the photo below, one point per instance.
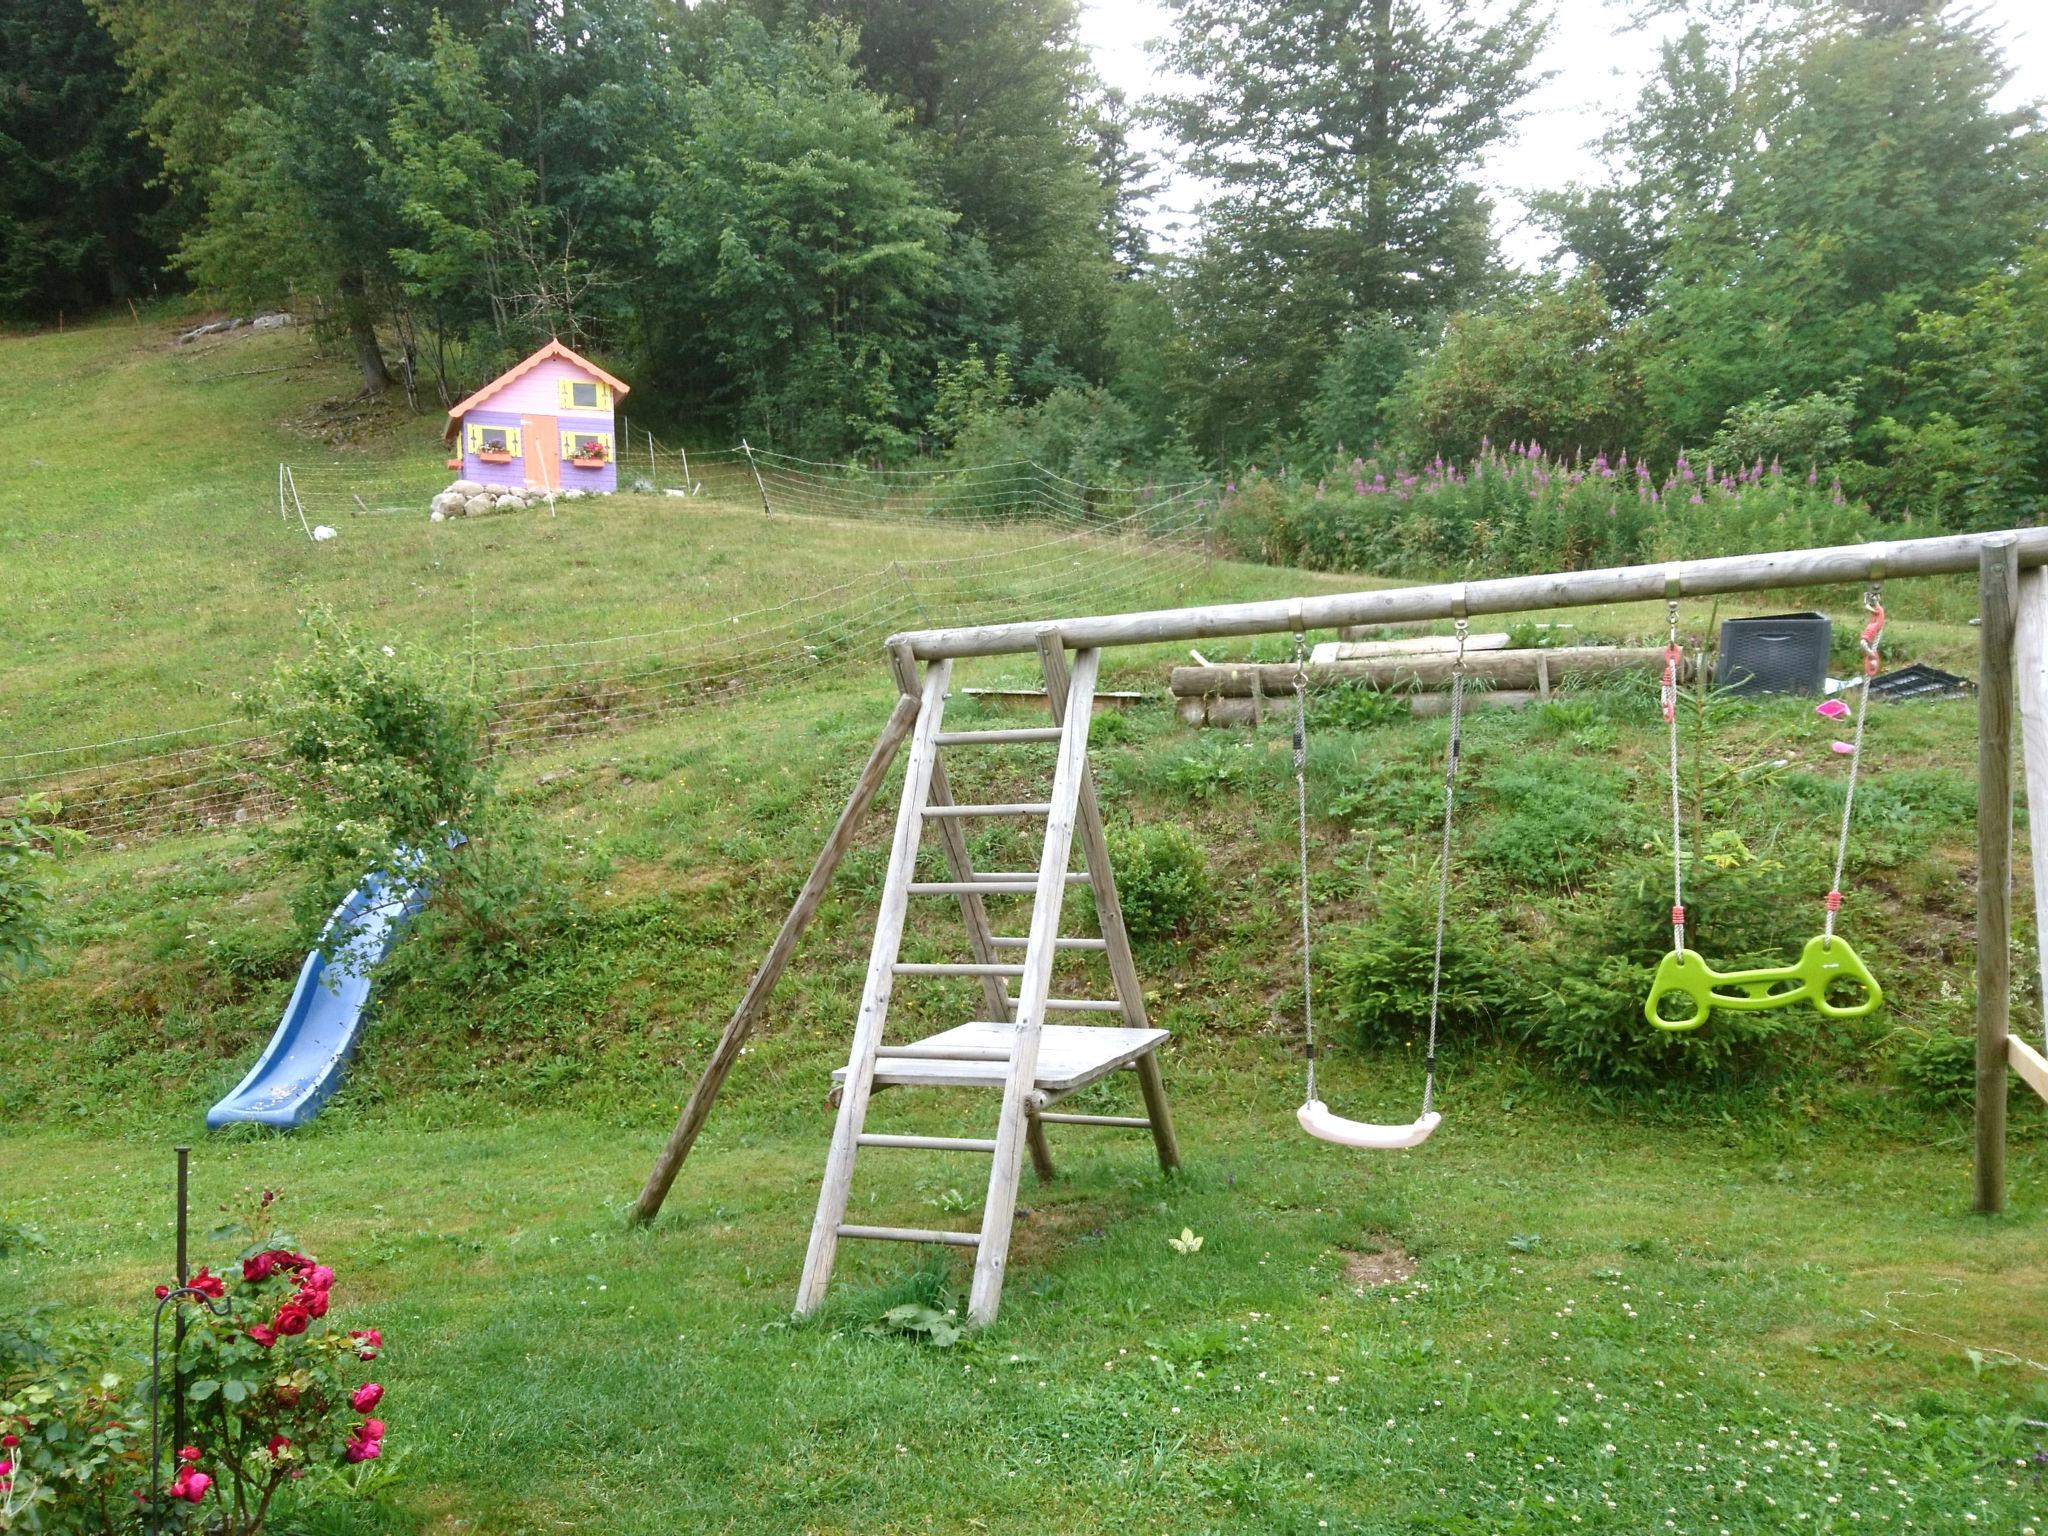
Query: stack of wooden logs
(1245, 693)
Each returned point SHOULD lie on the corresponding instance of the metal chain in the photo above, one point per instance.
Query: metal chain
(1873, 631)
(1673, 655)
(1443, 869)
(1308, 1010)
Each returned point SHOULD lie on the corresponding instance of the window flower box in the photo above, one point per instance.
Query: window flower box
(590, 461)
(494, 456)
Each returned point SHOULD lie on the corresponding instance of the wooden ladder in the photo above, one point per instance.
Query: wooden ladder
(928, 801)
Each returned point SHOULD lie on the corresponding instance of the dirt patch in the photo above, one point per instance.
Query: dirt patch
(1389, 1266)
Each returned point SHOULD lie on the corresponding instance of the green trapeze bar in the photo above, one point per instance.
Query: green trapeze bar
(1821, 962)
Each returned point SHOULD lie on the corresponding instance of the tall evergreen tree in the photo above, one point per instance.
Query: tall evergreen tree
(81, 221)
(1342, 136)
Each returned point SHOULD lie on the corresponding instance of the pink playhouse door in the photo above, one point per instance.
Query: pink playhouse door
(543, 443)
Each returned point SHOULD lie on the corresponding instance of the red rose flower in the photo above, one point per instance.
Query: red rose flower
(368, 1342)
(208, 1285)
(278, 1445)
(366, 1397)
(262, 1335)
(189, 1454)
(314, 1302)
(258, 1267)
(291, 1319)
(373, 1429)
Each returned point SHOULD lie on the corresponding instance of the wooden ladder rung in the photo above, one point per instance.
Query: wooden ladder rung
(1001, 941)
(912, 1235)
(972, 887)
(1121, 1122)
(1015, 808)
(963, 968)
(998, 738)
(933, 1143)
(1078, 1005)
(1010, 876)
(941, 1053)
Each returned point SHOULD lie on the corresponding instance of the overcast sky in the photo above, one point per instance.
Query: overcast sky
(1597, 71)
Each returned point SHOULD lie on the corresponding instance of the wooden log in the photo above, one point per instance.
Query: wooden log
(755, 1000)
(1998, 592)
(1507, 669)
(1419, 645)
(1217, 710)
(1838, 565)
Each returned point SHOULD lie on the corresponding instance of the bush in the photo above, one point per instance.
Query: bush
(1381, 970)
(1556, 827)
(381, 751)
(30, 840)
(1162, 880)
(1939, 1068)
(271, 1390)
(1513, 510)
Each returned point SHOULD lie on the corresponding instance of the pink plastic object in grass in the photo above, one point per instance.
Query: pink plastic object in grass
(1831, 709)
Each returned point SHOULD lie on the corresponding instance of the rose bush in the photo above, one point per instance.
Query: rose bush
(272, 1390)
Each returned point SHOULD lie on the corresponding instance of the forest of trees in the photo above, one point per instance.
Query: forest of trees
(888, 227)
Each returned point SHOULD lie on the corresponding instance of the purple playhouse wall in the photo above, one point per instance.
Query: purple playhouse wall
(514, 473)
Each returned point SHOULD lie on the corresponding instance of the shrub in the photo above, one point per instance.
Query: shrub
(381, 750)
(1356, 707)
(1162, 880)
(1557, 827)
(30, 840)
(1381, 970)
(271, 1390)
(1939, 1068)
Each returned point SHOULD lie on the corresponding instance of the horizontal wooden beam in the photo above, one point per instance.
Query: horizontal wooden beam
(2031, 1065)
(1948, 555)
(1513, 669)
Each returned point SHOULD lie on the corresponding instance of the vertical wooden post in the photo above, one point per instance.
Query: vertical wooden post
(1998, 593)
(755, 1002)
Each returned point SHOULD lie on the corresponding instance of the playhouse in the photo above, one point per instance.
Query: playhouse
(542, 425)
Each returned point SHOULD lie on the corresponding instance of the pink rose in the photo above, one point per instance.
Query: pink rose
(368, 1342)
(191, 1486)
(189, 1454)
(362, 1450)
(262, 1335)
(366, 1397)
(373, 1429)
(320, 1277)
(314, 1302)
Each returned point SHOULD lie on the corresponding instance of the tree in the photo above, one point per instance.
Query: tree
(1129, 182)
(1343, 135)
(1551, 368)
(794, 214)
(80, 219)
(1829, 238)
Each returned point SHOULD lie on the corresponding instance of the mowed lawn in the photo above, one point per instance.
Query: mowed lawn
(1588, 1326)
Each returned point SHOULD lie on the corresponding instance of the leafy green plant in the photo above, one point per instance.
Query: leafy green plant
(30, 841)
(1939, 1068)
(1162, 880)
(1381, 969)
(1356, 707)
(1557, 826)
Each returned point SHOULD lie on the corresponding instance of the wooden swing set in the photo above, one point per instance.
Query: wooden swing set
(1035, 1063)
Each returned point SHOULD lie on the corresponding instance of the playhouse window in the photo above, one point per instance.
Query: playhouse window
(582, 395)
(573, 444)
(494, 439)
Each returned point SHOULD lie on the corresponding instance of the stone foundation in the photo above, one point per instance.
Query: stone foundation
(474, 498)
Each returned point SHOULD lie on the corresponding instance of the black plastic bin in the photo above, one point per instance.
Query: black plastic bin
(1786, 653)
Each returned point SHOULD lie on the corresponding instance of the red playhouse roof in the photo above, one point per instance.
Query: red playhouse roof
(554, 348)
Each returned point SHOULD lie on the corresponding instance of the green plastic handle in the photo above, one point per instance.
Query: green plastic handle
(1822, 961)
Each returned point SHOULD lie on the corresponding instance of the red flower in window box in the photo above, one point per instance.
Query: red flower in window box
(590, 453)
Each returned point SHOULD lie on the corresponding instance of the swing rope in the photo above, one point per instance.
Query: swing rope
(1873, 631)
(1674, 657)
(1443, 883)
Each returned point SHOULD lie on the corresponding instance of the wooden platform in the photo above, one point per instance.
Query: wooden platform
(1070, 1056)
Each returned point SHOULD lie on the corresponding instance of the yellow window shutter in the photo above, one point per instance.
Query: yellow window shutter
(568, 445)
(565, 393)
(604, 397)
(476, 438)
(512, 440)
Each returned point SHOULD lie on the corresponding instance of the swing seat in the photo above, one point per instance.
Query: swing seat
(1316, 1119)
(1821, 963)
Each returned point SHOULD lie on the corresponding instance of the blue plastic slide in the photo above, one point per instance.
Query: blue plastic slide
(303, 1064)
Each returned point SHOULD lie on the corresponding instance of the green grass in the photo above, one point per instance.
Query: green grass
(1750, 1300)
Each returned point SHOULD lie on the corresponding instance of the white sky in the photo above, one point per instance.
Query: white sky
(1598, 70)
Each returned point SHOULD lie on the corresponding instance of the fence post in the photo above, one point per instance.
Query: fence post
(759, 484)
(688, 484)
(1998, 589)
(653, 469)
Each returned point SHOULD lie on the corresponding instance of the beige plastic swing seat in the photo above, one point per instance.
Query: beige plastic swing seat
(1319, 1122)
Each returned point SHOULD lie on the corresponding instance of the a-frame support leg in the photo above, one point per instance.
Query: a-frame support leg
(991, 1260)
(755, 1002)
(874, 1002)
(1109, 912)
